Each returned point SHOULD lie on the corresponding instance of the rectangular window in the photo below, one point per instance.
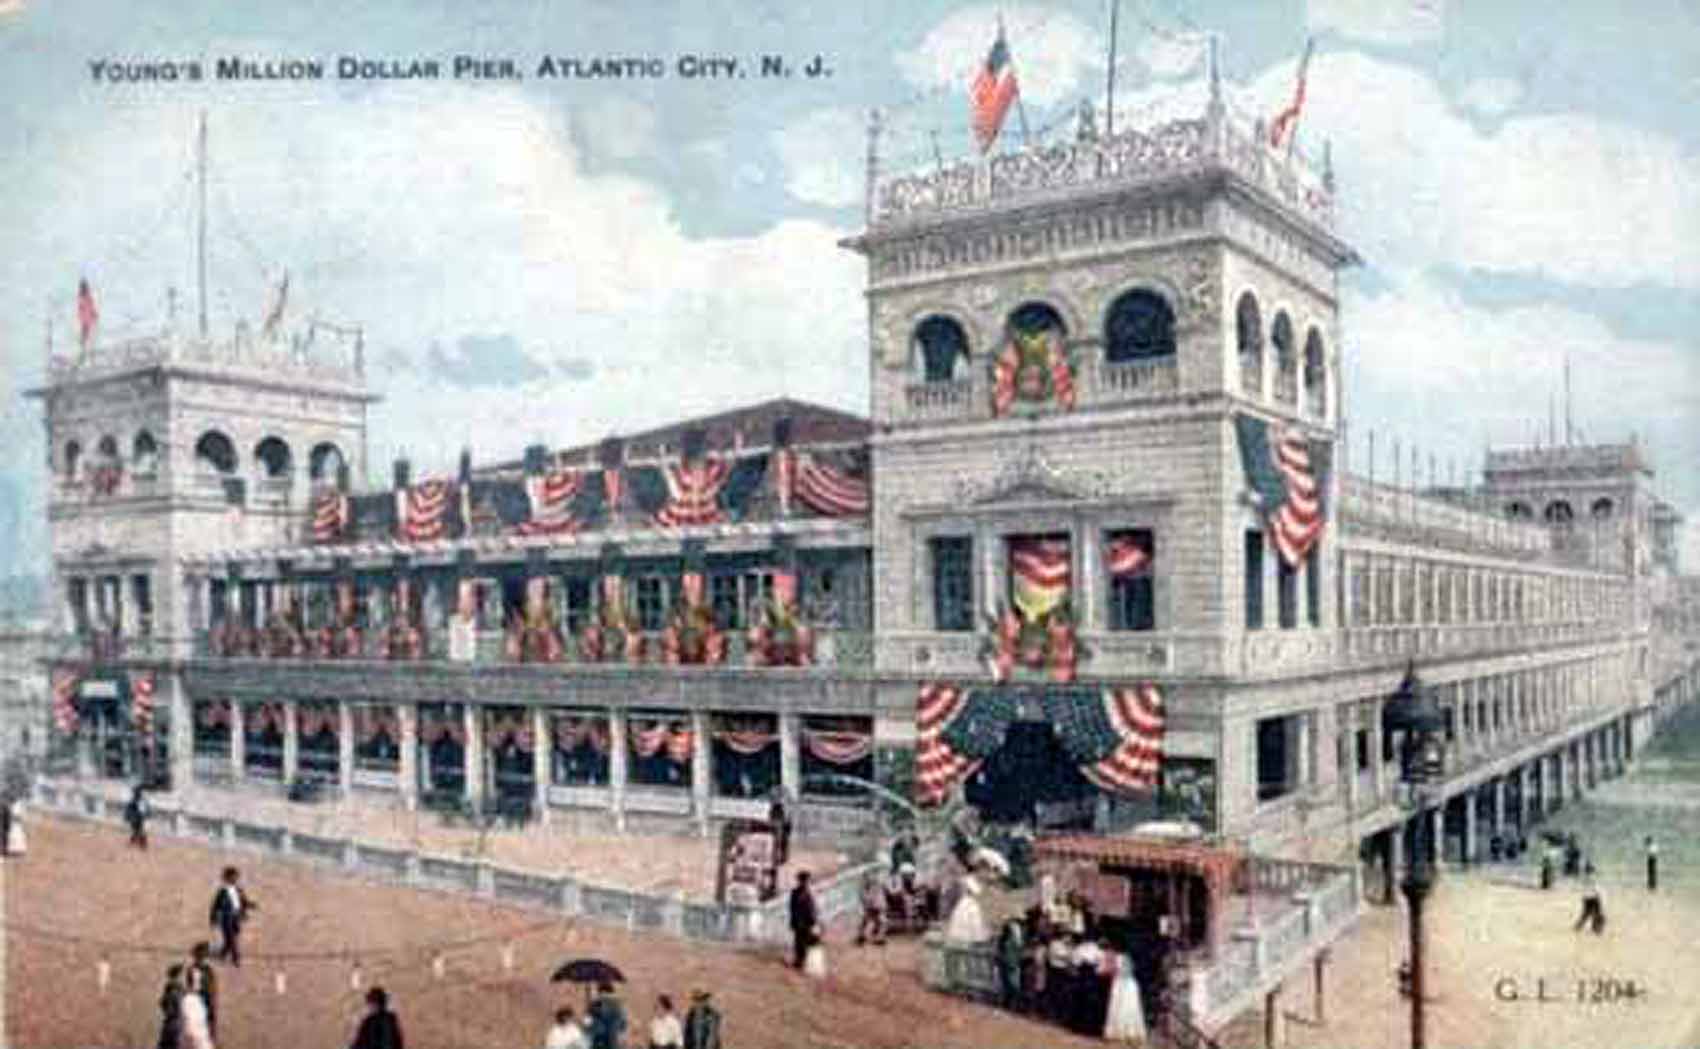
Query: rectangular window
(758, 591)
(1363, 750)
(1274, 758)
(1313, 586)
(1287, 593)
(248, 611)
(650, 609)
(1254, 579)
(77, 597)
(723, 599)
(576, 596)
(141, 591)
(953, 582)
(1128, 558)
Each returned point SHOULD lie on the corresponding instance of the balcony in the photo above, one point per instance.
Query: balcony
(934, 401)
(1125, 379)
(1097, 382)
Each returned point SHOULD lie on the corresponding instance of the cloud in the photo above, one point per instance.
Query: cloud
(1051, 51)
(484, 360)
(1171, 55)
(1380, 21)
(1491, 97)
(617, 128)
(820, 160)
(11, 7)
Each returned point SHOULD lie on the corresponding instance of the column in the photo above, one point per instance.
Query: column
(702, 769)
(1319, 965)
(1376, 772)
(542, 745)
(1272, 1019)
(291, 739)
(617, 753)
(790, 755)
(1091, 574)
(1348, 730)
(407, 718)
(1395, 861)
(1437, 833)
(472, 718)
(182, 708)
(238, 740)
(1499, 803)
(345, 746)
(1467, 845)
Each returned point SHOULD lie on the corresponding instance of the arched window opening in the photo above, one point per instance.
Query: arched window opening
(1140, 326)
(108, 448)
(1316, 375)
(144, 455)
(941, 347)
(1602, 509)
(1249, 327)
(1519, 511)
(325, 462)
(1559, 512)
(274, 458)
(1031, 318)
(1286, 368)
(73, 460)
(214, 452)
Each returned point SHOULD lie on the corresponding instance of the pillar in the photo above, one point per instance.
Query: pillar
(1468, 847)
(790, 755)
(291, 739)
(1395, 861)
(1091, 555)
(1377, 772)
(407, 718)
(1347, 716)
(182, 707)
(702, 768)
(542, 744)
(472, 720)
(345, 746)
(1272, 1019)
(617, 775)
(1499, 803)
(1437, 833)
(1318, 967)
(238, 740)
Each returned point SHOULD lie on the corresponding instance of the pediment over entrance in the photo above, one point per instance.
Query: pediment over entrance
(1030, 477)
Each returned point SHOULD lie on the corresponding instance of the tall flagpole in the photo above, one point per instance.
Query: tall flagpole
(1110, 85)
(201, 222)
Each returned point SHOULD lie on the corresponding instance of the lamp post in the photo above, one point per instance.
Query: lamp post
(1415, 713)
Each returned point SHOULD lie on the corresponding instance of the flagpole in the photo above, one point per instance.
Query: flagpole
(1110, 85)
(1304, 71)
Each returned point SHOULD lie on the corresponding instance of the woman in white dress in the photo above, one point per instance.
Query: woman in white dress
(16, 843)
(1124, 1021)
(196, 1033)
(967, 920)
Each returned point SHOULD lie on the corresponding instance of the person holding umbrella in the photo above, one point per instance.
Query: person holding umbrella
(607, 1018)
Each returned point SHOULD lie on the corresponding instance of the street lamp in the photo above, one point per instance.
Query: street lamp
(1415, 713)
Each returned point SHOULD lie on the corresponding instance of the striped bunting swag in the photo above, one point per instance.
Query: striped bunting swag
(1135, 716)
(1126, 558)
(422, 510)
(65, 717)
(838, 748)
(1040, 569)
(551, 496)
(938, 768)
(330, 515)
(692, 493)
(141, 704)
(828, 490)
(1288, 476)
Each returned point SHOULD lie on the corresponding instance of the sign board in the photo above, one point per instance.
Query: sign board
(747, 871)
(96, 689)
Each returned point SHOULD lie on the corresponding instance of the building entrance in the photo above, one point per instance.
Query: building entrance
(1031, 779)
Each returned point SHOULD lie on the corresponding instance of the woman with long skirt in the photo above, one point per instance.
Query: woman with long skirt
(1124, 1021)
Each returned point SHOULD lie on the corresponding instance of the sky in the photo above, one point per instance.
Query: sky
(555, 259)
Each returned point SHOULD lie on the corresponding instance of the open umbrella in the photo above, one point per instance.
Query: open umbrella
(591, 972)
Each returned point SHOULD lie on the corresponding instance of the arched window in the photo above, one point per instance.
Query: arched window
(108, 448)
(1316, 375)
(1140, 326)
(941, 348)
(1030, 318)
(144, 455)
(1249, 326)
(1602, 509)
(324, 462)
(1519, 511)
(73, 459)
(1286, 368)
(1559, 512)
(274, 459)
(215, 452)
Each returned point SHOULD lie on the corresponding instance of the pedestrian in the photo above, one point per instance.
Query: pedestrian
(230, 907)
(665, 1031)
(1011, 948)
(171, 1009)
(16, 843)
(1549, 859)
(200, 976)
(780, 821)
(566, 1033)
(872, 928)
(1652, 847)
(805, 920)
(1572, 856)
(381, 1029)
(5, 825)
(1593, 912)
(136, 814)
(197, 1025)
(702, 1022)
(607, 1019)
(902, 853)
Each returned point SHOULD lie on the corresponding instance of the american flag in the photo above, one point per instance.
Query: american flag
(141, 705)
(693, 491)
(330, 515)
(1297, 523)
(551, 497)
(938, 768)
(1127, 557)
(423, 510)
(1040, 569)
(65, 717)
(87, 315)
(1136, 716)
(1286, 122)
(829, 490)
(992, 93)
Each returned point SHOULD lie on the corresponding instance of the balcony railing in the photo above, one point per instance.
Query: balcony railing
(1137, 378)
(927, 401)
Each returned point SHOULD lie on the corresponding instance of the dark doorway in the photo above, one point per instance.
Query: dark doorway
(1031, 777)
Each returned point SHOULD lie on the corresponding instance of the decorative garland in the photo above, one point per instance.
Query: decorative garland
(691, 636)
(780, 637)
(1032, 367)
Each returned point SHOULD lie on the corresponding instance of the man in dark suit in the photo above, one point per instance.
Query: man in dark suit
(805, 920)
(380, 1029)
(606, 1019)
(230, 907)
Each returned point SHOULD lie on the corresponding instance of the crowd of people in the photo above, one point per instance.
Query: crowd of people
(605, 1024)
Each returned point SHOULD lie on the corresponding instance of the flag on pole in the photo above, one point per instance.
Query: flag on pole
(1281, 129)
(993, 93)
(87, 315)
(274, 316)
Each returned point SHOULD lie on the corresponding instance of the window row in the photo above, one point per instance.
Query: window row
(1139, 325)
(96, 604)
(214, 453)
(1038, 576)
(1288, 584)
(1249, 340)
(1383, 590)
(1560, 511)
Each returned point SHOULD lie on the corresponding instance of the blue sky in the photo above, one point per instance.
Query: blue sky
(558, 259)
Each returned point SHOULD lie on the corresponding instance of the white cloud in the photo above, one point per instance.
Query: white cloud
(820, 159)
(1170, 56)
(1381, 21)
(619, 128)
(1051, 51)
(1491, 97)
